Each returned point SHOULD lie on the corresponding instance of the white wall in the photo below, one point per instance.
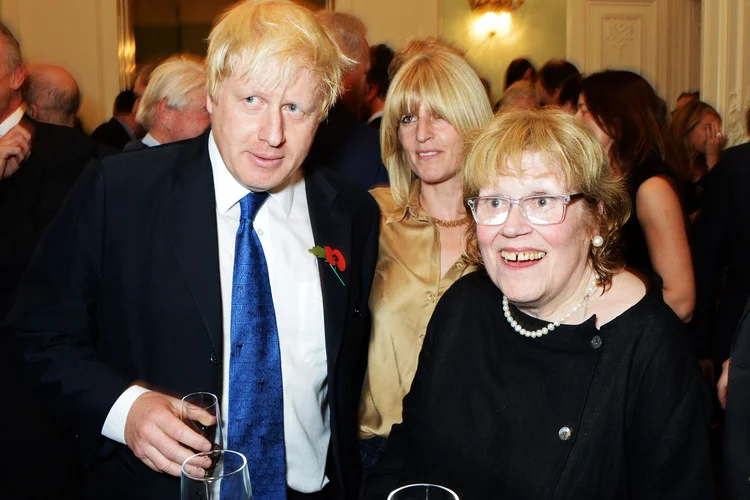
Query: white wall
(394, 21)
(538, 32)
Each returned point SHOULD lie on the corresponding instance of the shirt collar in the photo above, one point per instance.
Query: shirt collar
(149, 141)
(12, 120)
(229, 190)
(412, 207)
(375, 116)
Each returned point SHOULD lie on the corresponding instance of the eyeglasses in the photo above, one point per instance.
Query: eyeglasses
(542, 210)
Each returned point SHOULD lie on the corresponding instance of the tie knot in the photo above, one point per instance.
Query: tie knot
(250, 204)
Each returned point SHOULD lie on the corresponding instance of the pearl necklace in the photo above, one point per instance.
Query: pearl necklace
(550, 326)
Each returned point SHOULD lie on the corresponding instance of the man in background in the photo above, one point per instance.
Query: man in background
(121, 128)
(41, 163)
(52, 95)
(550, 79)
(378, 82)
(343, 142)
(173, 106)
(519, 95)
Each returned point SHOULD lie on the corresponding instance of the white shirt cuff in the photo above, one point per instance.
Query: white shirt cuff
(114, 425)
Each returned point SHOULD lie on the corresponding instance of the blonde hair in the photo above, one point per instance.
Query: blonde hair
(175, 80)
(253, 34)
(574, 157)
(449, 87)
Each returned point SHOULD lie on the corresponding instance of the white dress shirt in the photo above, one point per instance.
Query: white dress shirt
(149, 141)
(13, 119)
(284, 229)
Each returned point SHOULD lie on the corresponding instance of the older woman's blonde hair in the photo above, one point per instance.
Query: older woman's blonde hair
(573, 156)
(256, 37)
(449, 87)
(175, 80)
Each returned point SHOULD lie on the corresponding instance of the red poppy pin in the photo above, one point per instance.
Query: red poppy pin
(334, 258)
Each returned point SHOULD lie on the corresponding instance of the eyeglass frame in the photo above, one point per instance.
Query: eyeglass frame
(566, 199)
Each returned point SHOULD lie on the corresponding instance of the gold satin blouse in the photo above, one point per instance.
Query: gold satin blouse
(405, 290)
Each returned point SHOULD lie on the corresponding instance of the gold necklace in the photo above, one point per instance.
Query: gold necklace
(444, 223)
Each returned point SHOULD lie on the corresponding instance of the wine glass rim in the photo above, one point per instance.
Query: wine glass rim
(215, 398)
(212, 452)
(423, 484)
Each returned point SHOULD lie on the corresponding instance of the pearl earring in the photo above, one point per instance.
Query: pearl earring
(597, 241)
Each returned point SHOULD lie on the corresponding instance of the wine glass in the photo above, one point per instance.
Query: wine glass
(201, 412)
(214, 475)
(422, 492)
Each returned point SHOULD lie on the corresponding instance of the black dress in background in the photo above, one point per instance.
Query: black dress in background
(634, 241)
(488, 407)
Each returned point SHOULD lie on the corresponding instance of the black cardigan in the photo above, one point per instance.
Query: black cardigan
(488, 407)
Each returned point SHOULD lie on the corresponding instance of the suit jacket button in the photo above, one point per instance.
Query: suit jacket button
(214, 358)
(357, 313)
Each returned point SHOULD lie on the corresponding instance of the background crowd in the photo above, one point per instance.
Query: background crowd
(543, 297)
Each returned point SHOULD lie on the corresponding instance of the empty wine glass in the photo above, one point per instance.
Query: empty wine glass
(201, 412)
(213, 475)
(422, 492)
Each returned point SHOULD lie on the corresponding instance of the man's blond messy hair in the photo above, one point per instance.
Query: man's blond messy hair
(256, 37)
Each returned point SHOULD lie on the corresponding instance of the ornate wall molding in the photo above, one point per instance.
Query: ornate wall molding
(619, 32)
(725, 73)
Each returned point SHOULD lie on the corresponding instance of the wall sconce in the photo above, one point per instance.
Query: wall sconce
(495, 18)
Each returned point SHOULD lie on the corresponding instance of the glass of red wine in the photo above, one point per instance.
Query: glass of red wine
(200, 411)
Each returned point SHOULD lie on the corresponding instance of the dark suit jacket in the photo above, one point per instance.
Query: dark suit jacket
(124, 287)
(736, 463)
(721, 238)
(112, 134)
(376, 123)
(134, 145)
(28, 201)
(351, 148)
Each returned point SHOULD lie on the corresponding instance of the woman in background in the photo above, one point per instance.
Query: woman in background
(626, 116)
(696, 131)
(435, 100)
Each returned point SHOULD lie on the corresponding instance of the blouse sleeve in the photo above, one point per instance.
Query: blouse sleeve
(387, 474)
(668, 419)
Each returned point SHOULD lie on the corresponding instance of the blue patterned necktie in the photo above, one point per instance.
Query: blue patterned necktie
(256, 404)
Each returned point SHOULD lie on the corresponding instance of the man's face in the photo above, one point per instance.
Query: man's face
(10, 82)
(264, 130)
(355, 83)
(192, 120)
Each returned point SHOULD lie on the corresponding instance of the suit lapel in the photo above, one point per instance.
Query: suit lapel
(192, 232)
(331, 227)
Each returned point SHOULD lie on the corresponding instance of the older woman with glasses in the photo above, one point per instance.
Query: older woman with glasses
(552, 374)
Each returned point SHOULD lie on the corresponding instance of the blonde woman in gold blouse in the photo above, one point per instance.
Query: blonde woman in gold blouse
(434, 101)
